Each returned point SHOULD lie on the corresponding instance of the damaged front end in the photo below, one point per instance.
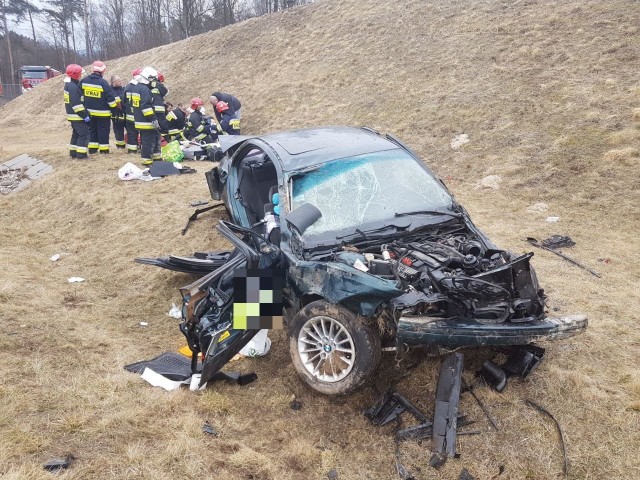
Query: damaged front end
(207, 312)
(459, 290)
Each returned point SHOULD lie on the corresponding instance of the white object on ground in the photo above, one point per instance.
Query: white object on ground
(258, 345)
(75, 279)
(553, 219)
(55, 258)
(144, 324)
(175, 312)
(158, 380)
(195, 381)
(539, 207)
(129, 171)
(459, 140)
(491, 181)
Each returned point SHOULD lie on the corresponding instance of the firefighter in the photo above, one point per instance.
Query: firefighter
(99, 100)
(132, 133)
(233, 103)
(199, 125)
(159, 91)
(118, 114)
(144, 116)
(229, 124)
(76, 113)
(176, 121)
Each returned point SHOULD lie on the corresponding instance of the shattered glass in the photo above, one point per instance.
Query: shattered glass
(368, 188)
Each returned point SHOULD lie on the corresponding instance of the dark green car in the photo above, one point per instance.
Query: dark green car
(373, 252)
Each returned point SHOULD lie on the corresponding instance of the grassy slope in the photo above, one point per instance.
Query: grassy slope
(549, 95)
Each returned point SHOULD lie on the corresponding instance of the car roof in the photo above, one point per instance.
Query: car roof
(300, 149)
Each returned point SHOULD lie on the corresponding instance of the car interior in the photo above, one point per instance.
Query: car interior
(257, 184)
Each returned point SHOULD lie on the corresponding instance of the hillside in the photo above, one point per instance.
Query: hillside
(549, 95)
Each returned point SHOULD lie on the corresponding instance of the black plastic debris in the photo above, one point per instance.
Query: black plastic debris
(295, 404)
(494, 375)
(445, 415)
(162, 169)
(389, 407)
(558, 241)
(523, 360)
(210, 429)
(56, 464)
(465, 475)
(177, 367)
(198, 203)
(332, 474)
(171, 365)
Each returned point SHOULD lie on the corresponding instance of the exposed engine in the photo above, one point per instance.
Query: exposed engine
(455, 276)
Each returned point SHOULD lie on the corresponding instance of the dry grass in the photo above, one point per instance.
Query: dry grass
(549, 96)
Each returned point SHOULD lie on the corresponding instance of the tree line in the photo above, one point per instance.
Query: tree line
(79, 31)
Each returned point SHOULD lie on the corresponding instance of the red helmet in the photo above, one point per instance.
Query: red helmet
(161, 76)
(74, 71)
(222, 106)
(136, 71)
(196, 103)
(98, 66)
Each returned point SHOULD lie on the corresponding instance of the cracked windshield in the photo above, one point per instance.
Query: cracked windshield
(368, 188)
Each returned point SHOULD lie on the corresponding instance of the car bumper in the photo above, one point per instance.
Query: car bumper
(422, 329)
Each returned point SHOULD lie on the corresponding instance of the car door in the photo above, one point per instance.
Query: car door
(208, 308)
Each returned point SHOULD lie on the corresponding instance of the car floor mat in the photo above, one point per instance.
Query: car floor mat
(171, 365)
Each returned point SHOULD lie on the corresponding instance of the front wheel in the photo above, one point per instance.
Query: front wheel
(333, 349)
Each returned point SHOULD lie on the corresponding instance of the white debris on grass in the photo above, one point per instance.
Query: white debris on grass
(553, 219)
(489, 182)
(75, 279)
(129, 171)
(175, 312)
(539, 207)
(144, 324)
(459, 140)
(55, 258)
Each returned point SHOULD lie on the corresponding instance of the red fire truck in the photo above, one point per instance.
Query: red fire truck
(31, 75)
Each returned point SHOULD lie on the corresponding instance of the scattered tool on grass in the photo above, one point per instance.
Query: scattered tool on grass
(537, 244)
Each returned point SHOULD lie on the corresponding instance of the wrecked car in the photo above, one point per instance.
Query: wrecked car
(374, 252)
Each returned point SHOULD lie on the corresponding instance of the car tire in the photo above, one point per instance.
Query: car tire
(359, 344)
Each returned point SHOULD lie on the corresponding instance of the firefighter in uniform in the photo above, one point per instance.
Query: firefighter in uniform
(198, 124)
(99, 101)
(159, 91)
(144, 116)
(76, 113)
(118, 114)
(233, 103)
(229, 124)
(176, 121)
(132, 133)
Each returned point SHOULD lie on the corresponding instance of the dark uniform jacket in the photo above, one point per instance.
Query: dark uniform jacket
(126, 101)
(176, 120)
(118, 113)
(158, 90)
(229, 123)
(73, 102)
(198, 126)
(141, 102)
(99, 98)
(233, 102)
